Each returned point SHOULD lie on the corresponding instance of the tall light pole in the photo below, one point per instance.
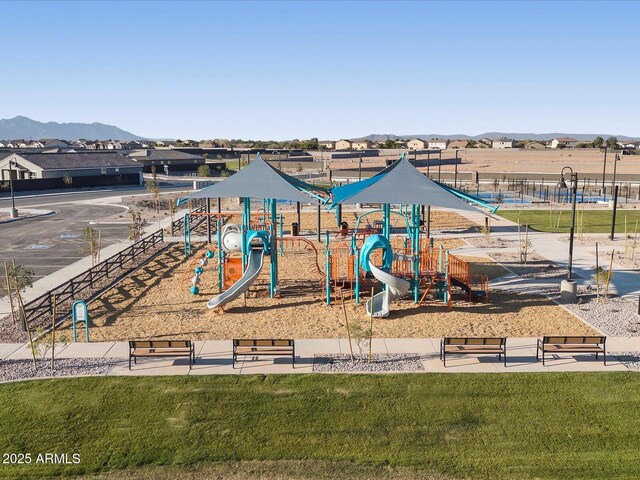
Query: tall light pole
(604, 170)
(615, 168)
(14, 210)
(574, 191)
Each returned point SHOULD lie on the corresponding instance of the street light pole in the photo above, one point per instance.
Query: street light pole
(604, 170)
(574, 193)
(615, 168)
(14, 210)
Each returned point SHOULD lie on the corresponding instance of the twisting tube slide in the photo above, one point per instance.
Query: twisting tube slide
(395, 287)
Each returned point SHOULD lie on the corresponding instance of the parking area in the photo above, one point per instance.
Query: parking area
(47, 244)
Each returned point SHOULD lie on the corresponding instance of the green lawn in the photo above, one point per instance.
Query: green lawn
(518, 426)
(595, 221)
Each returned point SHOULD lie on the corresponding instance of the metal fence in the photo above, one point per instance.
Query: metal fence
(41, 308)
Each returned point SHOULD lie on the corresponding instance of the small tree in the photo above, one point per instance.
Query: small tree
(67, 180)
(360, 335)
(135, 227)
(598, 142)
(154, 191)
(91, 245)
(496, 184)
(561, 146)
(154, 171)
(204, 171)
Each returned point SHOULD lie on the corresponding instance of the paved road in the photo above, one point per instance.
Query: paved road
(31, 199)
(46, 244)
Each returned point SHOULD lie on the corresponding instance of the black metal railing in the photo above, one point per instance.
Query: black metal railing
(41, 308)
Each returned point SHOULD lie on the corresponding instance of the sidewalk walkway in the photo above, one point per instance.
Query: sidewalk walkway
(555, 248)
(213, 357)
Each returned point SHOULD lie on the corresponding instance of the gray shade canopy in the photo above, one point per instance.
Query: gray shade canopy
(256, 180)
(401, 183)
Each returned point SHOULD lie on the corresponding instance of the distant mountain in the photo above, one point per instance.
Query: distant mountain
(25, 128)
(377, 137)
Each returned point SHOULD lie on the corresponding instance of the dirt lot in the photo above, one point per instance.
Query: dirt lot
(155, 303)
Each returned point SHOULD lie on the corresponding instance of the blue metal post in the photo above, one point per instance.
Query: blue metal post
(274, 250)
(220, 255)
(327, 270)
(357, 275)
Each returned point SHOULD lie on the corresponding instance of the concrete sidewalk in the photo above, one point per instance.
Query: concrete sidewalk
(213, 357)
(555, 247)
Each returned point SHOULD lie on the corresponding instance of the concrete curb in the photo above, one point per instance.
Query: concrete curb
(49, 212)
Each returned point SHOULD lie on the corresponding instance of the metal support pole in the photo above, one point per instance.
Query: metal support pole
(604, 170)
(14, 210)
(455, 174)
(318, 224)
(615, 209)
(439, 163)
(574, 192)
(209, 220)
(298, 213)
(360, 167)
(428, 221)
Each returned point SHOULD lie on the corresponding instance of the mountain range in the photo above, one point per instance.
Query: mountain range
(27, 129)
(581, 137)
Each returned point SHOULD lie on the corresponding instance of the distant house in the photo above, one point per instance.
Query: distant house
(417, 144)
(35, 144)
(456, 144)
(327, 144)
(566, 141)
(502, 143)
(62, 165)
(361, 144)
(534, 146)
(55, 143)
(484, 141)
(344, 145)
(130, 145)
(173, 160)
(2, 144)
(438, 144)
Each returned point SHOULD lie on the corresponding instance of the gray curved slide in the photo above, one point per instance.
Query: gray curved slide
(256, 259)
(396, 288)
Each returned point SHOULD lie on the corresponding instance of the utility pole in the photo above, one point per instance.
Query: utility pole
(604, 170)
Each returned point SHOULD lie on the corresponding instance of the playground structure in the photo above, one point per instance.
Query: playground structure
(355, 257)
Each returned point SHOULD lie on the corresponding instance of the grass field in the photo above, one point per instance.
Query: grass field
(595, 221)
(433, 426)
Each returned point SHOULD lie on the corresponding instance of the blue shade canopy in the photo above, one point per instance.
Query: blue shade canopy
(400, 183)
(261, 180)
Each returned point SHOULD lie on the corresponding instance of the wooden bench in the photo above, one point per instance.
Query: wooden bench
(595, 345)
(162, 348)
(473, 346)
(270, 347)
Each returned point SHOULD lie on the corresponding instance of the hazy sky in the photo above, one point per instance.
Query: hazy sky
(300, 69)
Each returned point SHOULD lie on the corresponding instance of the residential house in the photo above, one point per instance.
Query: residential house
(457, 144)
(361, 144)
(55, 143)
(484, 141)
(438, 144)
(60, 165)
(502, 143)
(534, 146)
(168, 160)
(35, 144)
(568, 142)
(344, 145)
(327, 145)
(417, 144)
